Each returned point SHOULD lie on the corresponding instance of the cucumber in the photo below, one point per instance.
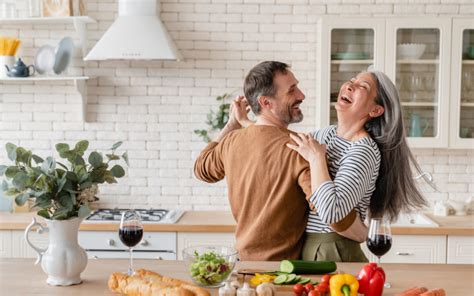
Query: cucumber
(280, 280)
(304, 281)
(297, 279)
(307, 267)
(290, 278)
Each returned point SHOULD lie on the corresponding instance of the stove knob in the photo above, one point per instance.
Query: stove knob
(111, 242)
(144, 243)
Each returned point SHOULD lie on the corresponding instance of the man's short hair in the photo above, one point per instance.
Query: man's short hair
(259, 82)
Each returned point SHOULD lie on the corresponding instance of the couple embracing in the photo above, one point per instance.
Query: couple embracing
(297, 196)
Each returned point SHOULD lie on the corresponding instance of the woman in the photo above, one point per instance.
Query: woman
(367, 167)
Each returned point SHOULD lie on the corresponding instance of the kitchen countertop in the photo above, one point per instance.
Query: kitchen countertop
(222, 221)
(21, 277)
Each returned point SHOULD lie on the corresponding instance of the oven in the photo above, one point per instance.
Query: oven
(154, 245)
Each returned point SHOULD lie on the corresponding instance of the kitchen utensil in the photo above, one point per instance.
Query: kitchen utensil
(19, 69)
(6, 62)
(45, 59)
(410, 50)
(64, 54)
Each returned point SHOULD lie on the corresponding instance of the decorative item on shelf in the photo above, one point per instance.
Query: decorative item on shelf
(415, 126)
(8, 49)
(63, 195)
(57, 8)
(19, 69)
(216, 120)
(64, 55)
(410, 50)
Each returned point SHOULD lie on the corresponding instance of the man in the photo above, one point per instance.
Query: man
(268, 183)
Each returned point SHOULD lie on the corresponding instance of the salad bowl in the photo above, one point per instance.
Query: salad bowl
(209, 266)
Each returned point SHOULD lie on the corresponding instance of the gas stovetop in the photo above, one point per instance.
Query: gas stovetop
(147, 216)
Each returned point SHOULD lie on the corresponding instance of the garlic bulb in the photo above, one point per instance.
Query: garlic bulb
(264, 289)
(246, 291)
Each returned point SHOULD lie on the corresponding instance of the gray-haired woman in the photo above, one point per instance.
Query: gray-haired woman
(363, 163)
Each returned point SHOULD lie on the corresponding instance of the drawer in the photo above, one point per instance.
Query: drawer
(136, 255)
(461, 249)
(108, 240)
(413, 249)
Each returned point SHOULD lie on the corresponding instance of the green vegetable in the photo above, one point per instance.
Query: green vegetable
(290, 278)
(307, 267)
(281, 279)
(209, 268)
(304, 281)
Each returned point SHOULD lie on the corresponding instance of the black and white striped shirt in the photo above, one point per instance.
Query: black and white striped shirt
(353, 167)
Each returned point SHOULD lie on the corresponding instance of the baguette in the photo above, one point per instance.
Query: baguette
(148, 283)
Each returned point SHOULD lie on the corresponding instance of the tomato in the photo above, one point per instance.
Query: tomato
(322, 287)
(314, 293)
(308, 287)
(298, 289)
(325, 279)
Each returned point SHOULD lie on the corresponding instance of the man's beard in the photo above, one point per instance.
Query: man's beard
(290, 115)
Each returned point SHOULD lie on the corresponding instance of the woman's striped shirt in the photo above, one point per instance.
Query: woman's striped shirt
(353, 167)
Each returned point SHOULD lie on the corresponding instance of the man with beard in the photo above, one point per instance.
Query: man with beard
(268, 184)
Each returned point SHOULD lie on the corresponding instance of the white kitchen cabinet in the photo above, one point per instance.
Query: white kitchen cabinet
(462, 85)
(413, 249)
(20, 249)
(5, 244)
(348, 46)
(460, 250)
(187, 239)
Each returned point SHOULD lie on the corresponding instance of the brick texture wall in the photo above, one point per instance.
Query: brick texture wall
(154, 106)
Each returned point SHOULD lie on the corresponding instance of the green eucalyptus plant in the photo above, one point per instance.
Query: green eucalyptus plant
(216, 120)
(59, 191)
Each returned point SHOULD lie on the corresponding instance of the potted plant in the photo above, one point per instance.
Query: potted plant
(215, 119)
(62, 193)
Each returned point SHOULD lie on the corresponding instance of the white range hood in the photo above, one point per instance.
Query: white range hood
(137, 34)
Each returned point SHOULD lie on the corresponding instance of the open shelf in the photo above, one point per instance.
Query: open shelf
(79, 22)
(79, 83)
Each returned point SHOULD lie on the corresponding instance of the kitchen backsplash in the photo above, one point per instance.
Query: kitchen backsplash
(154, 106)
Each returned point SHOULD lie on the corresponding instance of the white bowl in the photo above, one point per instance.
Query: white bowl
(410, 50)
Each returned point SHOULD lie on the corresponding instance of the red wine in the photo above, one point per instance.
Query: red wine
(380, 244)
(131, 235)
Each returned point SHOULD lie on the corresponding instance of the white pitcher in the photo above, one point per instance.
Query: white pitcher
(64, 259)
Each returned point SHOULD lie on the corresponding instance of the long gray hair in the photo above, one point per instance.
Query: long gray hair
(395, 189)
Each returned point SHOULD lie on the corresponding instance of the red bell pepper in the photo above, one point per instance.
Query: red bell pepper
(371, 279)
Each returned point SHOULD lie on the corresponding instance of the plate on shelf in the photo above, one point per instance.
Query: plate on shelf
(350, 56)
(64, 54)
(45, 59)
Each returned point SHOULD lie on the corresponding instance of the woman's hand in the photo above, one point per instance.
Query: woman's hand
(239, 109)
(307, 147)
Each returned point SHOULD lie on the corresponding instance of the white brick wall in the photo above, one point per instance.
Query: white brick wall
(154, 106)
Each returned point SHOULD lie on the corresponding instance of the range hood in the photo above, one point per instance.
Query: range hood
(137, 34)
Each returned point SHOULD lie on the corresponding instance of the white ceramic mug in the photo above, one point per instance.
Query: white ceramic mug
(6, 60)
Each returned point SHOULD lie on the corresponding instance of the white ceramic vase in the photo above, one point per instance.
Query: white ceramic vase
(64, 259)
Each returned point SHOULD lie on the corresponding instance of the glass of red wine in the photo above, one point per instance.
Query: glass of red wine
(379, 239)
(130, 233)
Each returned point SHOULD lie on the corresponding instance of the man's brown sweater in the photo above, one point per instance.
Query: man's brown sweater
(268, 186)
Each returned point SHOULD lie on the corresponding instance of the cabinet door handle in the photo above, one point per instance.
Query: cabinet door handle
(404, 253)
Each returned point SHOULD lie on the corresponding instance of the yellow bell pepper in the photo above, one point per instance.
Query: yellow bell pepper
(343, 285)
(261, 278)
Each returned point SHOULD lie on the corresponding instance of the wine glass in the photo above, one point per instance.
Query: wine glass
(130, 233)
(379, 239)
